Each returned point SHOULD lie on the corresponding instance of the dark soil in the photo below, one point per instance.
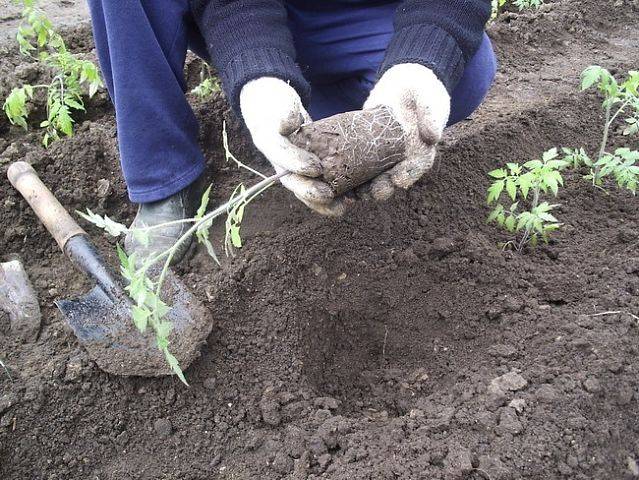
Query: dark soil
(399, 341)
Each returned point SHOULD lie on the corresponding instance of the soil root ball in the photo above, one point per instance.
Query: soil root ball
(353, 147)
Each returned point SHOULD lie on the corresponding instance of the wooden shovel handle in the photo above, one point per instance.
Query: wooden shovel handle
(51, 213)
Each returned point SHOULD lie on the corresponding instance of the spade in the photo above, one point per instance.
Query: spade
(101, 318)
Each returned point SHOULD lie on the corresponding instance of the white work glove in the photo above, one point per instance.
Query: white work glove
(272, 110)
(420, 103)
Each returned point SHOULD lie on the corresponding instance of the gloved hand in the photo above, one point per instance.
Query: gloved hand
(272, 110)
(421, 105)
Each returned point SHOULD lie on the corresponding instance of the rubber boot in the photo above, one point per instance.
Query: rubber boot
(181, 205)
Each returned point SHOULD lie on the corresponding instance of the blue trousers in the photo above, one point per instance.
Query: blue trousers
(142, 47)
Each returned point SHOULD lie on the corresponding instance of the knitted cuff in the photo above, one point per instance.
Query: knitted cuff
(430, 46)
(262, 62)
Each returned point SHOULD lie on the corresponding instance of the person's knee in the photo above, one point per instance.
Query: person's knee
(475, 83)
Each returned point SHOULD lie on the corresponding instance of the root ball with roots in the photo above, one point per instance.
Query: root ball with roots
(353, 147)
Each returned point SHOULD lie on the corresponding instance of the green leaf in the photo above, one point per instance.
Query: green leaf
(552, 227)
(236, 240)
(498, 173)
(549, 155)
(114, 228)
(94, 218)
(142, 236)
(591, 75)
(511, 188)
(163, 329)
(494, 191)
(533, 164)
(547, 217)
(203, 238)
(122, 256)
(627, 154)
(557, 164)
(138, 289)
(514, 168)
(73, 104)
(111, 227)
(545, 207)
(157, 306)
(15, 105)
(203, 203)
(551, 183)
(140, 317)
(494, 213)
(632, 128)
(207, 87)
(524, 220)
(175, 366)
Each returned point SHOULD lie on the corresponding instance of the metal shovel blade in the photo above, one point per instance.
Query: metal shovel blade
(103, 325)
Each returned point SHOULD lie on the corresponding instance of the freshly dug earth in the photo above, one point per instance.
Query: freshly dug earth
(399, 341)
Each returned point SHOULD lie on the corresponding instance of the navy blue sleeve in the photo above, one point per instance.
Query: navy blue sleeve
(248, 39)
(439, 34)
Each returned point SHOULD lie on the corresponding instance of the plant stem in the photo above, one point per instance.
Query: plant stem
(604, 140)
(606, 132)
(166, 224)
(230, 156)
(526, 237)
(249, 193)
(60, 79)
(618, 112)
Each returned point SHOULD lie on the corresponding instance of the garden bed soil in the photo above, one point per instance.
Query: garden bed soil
(400, 341)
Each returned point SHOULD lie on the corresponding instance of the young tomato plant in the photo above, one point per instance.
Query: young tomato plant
(72, 76)
(145, 283)
(518, 194)
(209, 84)
(498, 5)
(524, 4)
(620, 100)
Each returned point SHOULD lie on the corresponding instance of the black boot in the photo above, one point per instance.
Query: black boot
(181, 205)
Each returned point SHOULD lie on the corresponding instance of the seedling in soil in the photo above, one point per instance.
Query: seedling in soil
(145, 284)
(209, 84)
(518, 193)
(498, 5)
(72, 76)
(620, 100)
(368, 143)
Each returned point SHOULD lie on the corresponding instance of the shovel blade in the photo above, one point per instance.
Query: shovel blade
(104, 326)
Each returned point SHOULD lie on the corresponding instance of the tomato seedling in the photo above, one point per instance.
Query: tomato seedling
(498, 5)
(518, 193)
(145, 283)
(72, 76)
(620, 99)
(209, 84)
